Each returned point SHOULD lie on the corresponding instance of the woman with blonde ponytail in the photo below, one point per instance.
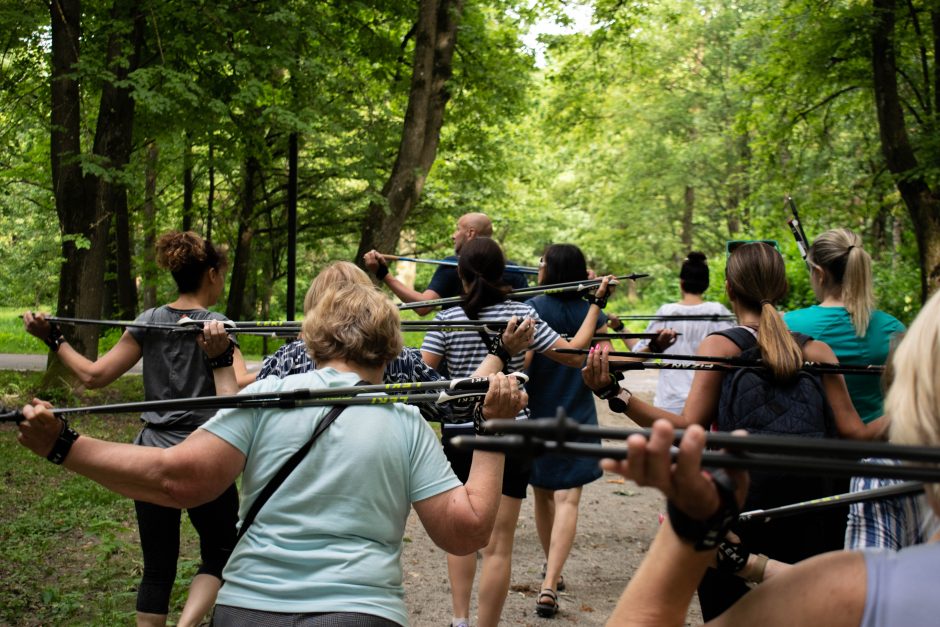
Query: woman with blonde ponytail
(755, 281)
(845, 317)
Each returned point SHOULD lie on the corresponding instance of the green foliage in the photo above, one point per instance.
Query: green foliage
(71, 553)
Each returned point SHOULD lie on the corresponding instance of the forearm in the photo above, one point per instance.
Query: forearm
(645, 414)
(490, 365)
(89, 372)
(660, 591)
(582, 338)
(474, 521)
(133, 471)
(407, 294)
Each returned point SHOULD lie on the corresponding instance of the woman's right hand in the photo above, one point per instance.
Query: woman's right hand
(37, 325)
(518, 335)
(503, 399)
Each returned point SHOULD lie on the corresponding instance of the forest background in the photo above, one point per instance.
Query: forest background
(658, 128)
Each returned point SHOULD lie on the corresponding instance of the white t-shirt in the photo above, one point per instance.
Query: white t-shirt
(673, 386)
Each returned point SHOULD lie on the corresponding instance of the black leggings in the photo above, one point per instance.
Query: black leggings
(159, 529)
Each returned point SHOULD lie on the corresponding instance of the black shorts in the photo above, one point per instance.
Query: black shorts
(515, 473)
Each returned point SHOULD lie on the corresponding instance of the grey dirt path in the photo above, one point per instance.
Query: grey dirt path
(616, 524)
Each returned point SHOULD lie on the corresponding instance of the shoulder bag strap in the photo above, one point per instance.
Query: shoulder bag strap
(288, 468)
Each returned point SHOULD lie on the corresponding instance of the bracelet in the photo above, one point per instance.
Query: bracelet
(760, 567)
(381, 272)
(655, 347)
(225, 359)
(618, 329)
(63, 444)
(706, 534)
(55, 339)
(479, 419)
(496, 348)
(618, 404)
(610, 390)
(600, 301)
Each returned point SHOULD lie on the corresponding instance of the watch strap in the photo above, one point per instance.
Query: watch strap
(63, 444)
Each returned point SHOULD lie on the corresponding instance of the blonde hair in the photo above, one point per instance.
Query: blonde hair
(354, 323)
(757, 277)
(913, 401)
(840, 253)
(336, 274)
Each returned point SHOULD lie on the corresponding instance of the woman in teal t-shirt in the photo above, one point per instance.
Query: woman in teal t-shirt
(845, 317)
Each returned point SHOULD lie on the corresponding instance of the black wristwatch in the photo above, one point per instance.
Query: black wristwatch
(705, 535)
(620, 402)
(63, 444)
(55, 339)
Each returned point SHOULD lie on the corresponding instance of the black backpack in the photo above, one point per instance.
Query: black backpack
(752, 400)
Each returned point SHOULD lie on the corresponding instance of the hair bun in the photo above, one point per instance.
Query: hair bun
(696, 257)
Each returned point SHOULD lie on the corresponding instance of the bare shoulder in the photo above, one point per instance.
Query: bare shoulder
(827, 590)
(718, 345)
(814, 350)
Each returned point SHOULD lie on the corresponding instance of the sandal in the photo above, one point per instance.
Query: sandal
(560, 584)
(547, 610)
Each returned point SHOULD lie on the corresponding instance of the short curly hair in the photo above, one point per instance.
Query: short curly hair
(188, 256)
(353, 323)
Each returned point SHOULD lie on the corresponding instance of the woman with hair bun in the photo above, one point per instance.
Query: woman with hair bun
(672, 386)
(175, 366)
(755, 282)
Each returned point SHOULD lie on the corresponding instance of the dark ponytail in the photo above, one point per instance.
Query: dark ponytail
(481, 266)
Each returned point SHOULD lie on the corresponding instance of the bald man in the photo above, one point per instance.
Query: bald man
(445, 283)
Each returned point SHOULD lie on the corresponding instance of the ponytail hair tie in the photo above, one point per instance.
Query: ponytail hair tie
(766, 302)
(849, 249)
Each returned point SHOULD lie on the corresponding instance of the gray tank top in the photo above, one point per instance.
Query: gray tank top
(175, 366)
(901, 587)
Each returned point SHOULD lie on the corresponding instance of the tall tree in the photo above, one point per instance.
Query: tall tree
(435, 39)
(923, 203)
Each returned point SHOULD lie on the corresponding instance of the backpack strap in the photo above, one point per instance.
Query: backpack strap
(741, 336)
(288, 468)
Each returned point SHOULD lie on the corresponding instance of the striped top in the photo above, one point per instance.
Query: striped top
(462, 351)
(292, 358)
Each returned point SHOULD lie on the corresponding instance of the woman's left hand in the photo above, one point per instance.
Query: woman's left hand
(596, 372)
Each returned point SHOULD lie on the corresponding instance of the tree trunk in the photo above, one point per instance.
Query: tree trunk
(188, 187)
(922, 204)
(75, 215)
(113, 145)
(240, 265)
(688, 207)
(149, 273)
(435, 39)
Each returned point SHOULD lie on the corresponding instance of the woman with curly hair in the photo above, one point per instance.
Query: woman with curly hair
(175, 366)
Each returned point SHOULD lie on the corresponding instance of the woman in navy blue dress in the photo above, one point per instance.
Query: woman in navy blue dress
(557, 480)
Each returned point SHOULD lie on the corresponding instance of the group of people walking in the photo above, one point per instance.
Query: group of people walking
(320, 551)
